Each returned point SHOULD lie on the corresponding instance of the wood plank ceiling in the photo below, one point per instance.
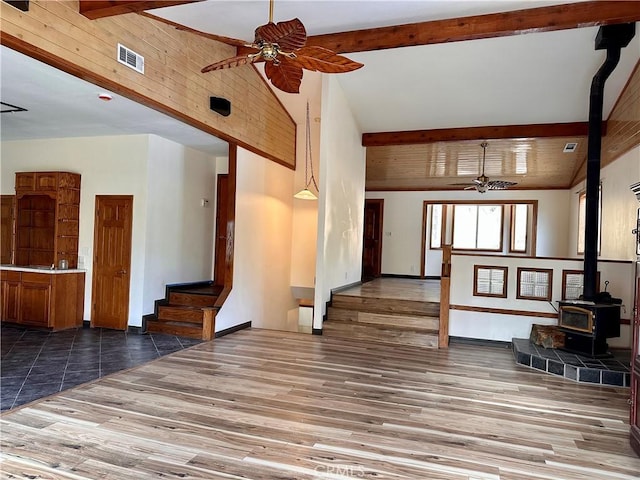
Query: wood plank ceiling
(531, 155)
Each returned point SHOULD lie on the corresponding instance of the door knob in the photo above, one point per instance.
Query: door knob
(122, 272)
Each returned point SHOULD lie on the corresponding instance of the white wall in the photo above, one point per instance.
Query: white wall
(179, 235)
(172, 235)
(341, 202)
(619, 206)
(261, 291)
(402, 239)
(304, 233)
(109, 166)
(503, 327)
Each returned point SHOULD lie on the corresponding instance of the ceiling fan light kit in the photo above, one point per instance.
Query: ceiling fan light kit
(282, 47)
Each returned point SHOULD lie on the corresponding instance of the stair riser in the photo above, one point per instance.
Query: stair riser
(377, 334)
(386, 306)
(192, 300)
(391, 321)
(190, 331)
(178, 314)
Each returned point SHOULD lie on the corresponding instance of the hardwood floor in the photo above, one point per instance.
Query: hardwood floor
(274, 405)
(397, 288)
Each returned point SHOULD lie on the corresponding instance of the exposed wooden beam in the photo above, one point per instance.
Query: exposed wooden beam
(542, 19)
(475, 133)
(94, 9)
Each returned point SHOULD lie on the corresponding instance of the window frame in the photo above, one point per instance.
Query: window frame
(567, 272)
(478, 205)
(582, 219)
(548, 271)
(443, 225)
(512, 224)
(477, 268)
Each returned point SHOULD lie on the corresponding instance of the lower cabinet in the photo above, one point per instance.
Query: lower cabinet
(47, 300)
(35, 299)
(10, 294)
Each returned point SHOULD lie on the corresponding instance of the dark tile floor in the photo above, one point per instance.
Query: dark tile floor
(37, 363)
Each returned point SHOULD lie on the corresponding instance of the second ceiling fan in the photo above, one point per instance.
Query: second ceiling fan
(482, 183)
(282, 46)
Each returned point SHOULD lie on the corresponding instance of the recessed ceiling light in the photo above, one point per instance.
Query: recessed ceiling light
(105, 97)
(570, 147)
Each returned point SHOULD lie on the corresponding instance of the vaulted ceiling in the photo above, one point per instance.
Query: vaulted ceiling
(445, 66)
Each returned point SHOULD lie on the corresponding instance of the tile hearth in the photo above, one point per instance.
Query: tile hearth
(612, 372)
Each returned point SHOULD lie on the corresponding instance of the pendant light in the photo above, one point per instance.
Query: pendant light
(305, 193)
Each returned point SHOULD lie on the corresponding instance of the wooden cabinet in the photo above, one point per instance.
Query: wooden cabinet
(47, 218)
(35, 296)
(10, 294)
(635, 371)
(50, 300)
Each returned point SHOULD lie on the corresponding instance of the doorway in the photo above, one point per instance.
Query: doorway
(111, 261)
(372, 241)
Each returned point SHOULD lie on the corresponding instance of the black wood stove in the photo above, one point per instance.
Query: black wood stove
(587, 325)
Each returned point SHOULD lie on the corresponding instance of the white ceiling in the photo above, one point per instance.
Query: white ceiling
(522, 79)
(532, 78)
(60, 105)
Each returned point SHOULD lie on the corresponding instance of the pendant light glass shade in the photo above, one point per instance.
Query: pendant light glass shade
(306, 193)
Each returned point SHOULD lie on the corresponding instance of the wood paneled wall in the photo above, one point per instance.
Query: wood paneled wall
(54, 32)
(623, 125)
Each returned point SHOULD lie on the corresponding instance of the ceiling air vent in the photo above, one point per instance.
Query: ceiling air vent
(570, 147)
(130, 58)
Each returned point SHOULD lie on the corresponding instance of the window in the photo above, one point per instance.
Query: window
(519, 226)
(582, 215)
(477, 227)
(534, 284)
(489, 281)
(573, 284)
(437, 226)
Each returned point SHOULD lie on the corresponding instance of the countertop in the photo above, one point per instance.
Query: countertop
(45, 270)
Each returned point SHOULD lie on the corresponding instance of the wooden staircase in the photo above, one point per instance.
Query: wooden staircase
(188, 310)
(386, 320)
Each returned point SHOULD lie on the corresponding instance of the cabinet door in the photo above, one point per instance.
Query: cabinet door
(10, 300)
(34, 303)
(25, 181)
(46, 181)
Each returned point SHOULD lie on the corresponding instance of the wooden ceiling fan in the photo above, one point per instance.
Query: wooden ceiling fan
(482, 183)
(282, 46)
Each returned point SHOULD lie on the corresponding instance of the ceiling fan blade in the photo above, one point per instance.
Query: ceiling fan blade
(287, 76)
(318, 59)
(472, 187)
(465, 184)
(500, 184)
(230, 63)
(289, 35)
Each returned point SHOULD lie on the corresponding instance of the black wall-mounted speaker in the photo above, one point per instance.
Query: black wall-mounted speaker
(20, 4)
(220, 105)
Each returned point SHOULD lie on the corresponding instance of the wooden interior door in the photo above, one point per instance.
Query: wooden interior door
(7, 228)
(635, 374)
(372, 242)
(111, 261)
(222, 217)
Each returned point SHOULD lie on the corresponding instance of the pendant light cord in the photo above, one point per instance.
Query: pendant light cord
(308, 161)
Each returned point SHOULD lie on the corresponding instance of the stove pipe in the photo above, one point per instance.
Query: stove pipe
(613, 38)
